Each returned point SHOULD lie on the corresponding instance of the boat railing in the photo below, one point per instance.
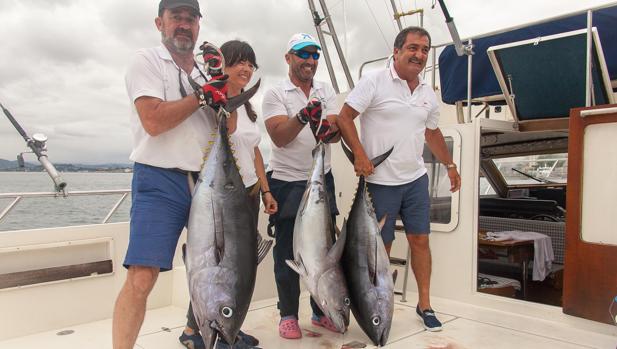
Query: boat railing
(17, 197)
(484, 101)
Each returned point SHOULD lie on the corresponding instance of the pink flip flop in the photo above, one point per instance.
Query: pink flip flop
(325, 322)
(290, 329)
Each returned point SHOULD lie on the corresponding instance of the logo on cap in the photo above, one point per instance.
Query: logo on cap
(301, 40)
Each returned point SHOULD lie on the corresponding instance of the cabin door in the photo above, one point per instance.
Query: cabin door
(590, 277)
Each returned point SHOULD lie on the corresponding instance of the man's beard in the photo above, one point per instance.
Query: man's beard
(300, 74)
(180, 46)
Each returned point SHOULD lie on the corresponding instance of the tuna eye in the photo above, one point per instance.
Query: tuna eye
(227, 312)
(347, 301)
(376, 321)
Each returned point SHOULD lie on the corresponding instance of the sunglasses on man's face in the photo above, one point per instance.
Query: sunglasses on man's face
(305, 54)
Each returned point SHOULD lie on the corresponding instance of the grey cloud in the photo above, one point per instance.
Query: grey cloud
(63, 61)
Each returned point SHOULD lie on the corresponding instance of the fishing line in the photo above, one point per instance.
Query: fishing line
(377, 23)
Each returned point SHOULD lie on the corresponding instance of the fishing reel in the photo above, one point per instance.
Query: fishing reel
(38, 145)
(40, 141)
(211, 58)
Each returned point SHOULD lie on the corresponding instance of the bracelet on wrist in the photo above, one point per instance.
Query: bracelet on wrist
(265, 192)
(201, 98)
(450, 165)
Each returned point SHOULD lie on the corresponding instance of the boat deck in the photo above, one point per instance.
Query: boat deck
(465, 326)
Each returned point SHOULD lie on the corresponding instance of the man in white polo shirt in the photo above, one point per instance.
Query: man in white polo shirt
(171, 125)
(399, 109)
(287, 109)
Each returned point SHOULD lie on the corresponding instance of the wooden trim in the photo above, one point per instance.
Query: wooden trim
(543, 125)
(590, 270)
(31, 277)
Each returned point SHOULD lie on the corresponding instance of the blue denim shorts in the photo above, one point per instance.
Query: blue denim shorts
(410, 201)
(161, 201)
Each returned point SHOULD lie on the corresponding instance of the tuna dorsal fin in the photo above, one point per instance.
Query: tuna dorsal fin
(336, 251)
(380, 158)
(263, 247)
(347, 152)
(297, 266)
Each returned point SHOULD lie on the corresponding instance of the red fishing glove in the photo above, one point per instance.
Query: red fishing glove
(312, 111)
(213, 59)
(320, 127)
(322, 131)
(214, 92)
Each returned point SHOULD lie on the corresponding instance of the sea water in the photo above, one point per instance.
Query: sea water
(46, 212)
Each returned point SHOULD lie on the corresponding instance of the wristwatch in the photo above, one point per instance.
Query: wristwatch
(450, 165)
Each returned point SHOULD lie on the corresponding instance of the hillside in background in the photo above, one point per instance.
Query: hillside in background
(12, 165)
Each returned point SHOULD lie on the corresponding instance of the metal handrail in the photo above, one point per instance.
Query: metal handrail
(18, 196)
(532, 23)
(369, 62)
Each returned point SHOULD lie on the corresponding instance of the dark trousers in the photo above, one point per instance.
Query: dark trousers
(289, 195)
(287, 280)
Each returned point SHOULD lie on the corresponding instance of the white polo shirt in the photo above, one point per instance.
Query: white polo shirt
(293, 162)
(393, 116)
(244, 140)
(153, 73)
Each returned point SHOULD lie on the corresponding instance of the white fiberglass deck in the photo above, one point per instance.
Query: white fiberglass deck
(465, 326)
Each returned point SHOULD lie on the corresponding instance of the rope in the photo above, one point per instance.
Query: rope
(391, 15)
(403, 20)
(377, 23)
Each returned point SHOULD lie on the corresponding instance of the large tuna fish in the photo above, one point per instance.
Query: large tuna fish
(223, 246)
(366, 265)
(316, 255)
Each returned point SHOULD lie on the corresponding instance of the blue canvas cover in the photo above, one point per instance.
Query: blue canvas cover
(453, 69)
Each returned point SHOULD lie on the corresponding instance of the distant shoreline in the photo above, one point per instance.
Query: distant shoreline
(14, 166)
(119, 170)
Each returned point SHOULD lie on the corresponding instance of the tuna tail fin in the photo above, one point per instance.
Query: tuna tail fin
(347, 152)
(380, 158)
(336, 251)
(263, 247)
(376, 160)
(317, 148)
(298, 266)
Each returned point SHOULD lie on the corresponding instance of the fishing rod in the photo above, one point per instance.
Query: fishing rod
(37, 144)
(458, 44)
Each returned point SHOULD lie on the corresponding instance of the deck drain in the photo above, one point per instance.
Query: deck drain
(65, 333)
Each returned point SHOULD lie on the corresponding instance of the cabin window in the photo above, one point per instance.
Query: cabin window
(534, 169)
(439, 186)
(485, 187)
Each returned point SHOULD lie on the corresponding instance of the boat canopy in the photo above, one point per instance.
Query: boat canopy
(453, 69)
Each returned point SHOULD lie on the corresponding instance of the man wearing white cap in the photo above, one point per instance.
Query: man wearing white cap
(287, 109)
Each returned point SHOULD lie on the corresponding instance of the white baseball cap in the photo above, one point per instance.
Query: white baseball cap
(301, 40)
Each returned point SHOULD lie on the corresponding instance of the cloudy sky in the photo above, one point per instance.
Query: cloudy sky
(62, 62)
